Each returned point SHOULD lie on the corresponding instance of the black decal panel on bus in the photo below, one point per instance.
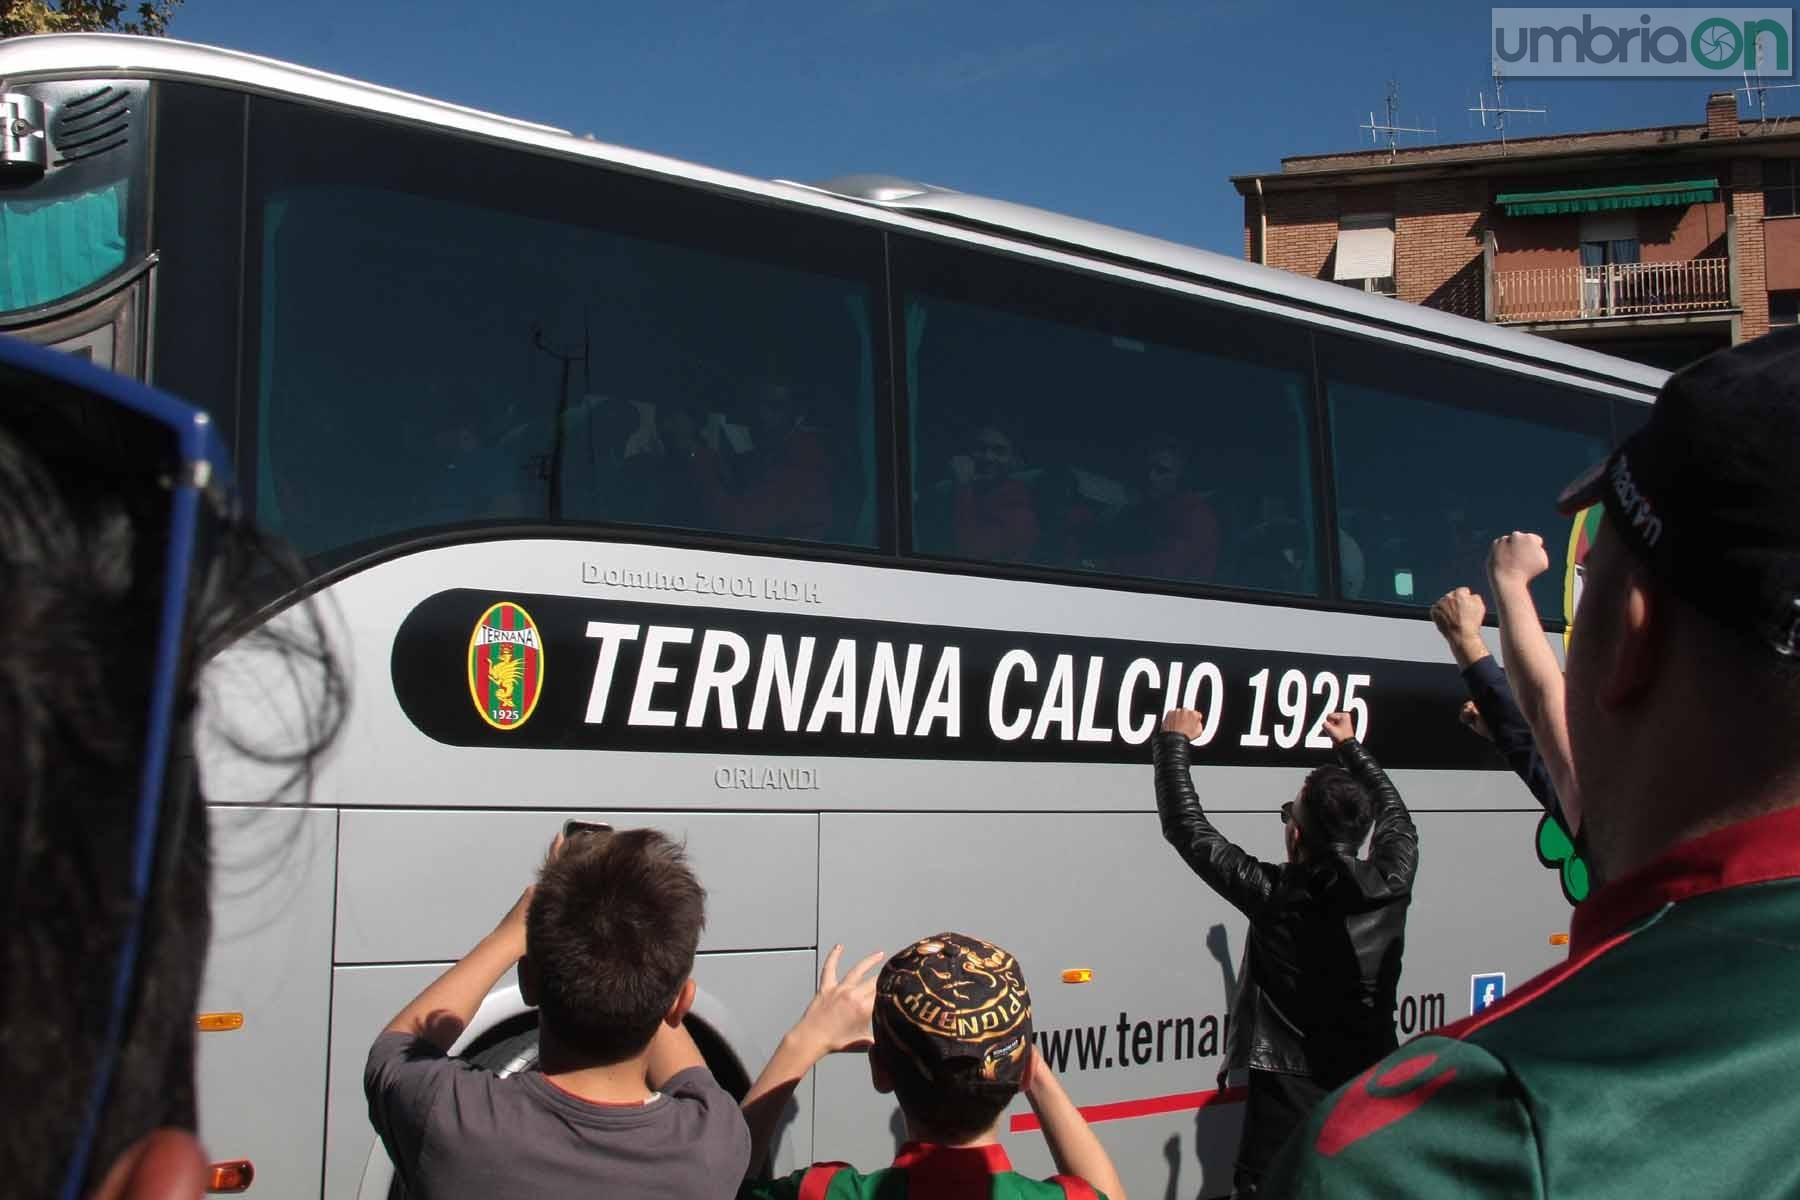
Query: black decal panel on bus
(475, 668)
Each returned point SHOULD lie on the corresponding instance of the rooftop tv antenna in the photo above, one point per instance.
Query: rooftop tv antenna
(1756, 90)
(1499, 110)
(1391, 128)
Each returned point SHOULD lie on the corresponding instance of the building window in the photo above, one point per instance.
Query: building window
(1365, 252)
(1781, 177)
(1784, 308)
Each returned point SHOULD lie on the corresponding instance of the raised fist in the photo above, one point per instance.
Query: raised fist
(1340, 727)
(1470, 716)
(1517, 558)
(1184, 721)
(1459, 613)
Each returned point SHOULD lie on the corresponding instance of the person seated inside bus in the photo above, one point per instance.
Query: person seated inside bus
(470, 475)
(993, 511)
(947, 1027)
(637, 483)
(1170, 531)
(782, 486)
(623, 1103)
(1276, 552)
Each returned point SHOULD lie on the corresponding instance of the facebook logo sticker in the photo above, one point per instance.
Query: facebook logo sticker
(1485, 990)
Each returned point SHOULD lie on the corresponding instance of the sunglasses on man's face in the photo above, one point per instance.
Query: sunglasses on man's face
(1287, 812)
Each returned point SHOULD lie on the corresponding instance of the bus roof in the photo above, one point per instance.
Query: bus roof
(890, 200)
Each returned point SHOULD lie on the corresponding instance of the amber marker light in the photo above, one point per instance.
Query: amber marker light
(234, 1176)
(220, 1022)
(1559, 939)
(1078, 975)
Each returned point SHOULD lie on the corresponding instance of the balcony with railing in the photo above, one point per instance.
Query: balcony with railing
(1659, 289)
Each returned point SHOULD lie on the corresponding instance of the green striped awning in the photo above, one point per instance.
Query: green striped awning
(1580, 200)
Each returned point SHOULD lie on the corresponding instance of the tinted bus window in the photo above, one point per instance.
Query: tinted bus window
(449, 334)
(1434, 459)
(1064, 421)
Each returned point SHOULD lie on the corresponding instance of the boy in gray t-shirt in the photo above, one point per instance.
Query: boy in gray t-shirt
(623, 1103)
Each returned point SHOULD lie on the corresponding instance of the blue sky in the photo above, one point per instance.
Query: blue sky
(1134, 113)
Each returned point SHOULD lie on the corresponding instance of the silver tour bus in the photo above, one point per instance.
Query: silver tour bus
(855, 532)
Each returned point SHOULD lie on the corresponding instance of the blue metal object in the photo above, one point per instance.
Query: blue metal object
(202, 474)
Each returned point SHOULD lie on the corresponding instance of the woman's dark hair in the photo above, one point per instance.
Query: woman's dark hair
(83, 535)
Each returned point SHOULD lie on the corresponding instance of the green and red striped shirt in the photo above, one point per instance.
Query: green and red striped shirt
(925, 1172)
(1660, 1060)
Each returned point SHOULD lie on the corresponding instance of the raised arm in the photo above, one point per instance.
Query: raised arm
(1458, 615)
(1511, 734)
(1229, 870)
(836, 1020)
(1073, 1146)
(1537, 680)
(1393, 842)
(443, 1010)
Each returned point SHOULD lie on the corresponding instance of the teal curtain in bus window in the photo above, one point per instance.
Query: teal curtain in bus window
(55, 248)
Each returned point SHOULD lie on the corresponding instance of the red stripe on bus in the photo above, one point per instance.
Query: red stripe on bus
(1179, 1102)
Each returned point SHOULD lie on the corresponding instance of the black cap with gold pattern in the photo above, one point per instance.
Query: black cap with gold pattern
(953, 999)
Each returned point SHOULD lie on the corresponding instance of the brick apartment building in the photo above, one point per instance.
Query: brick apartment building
(1656, 244)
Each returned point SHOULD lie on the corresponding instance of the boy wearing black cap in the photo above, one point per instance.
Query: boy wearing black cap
(1658, 1060)
(951, 1019)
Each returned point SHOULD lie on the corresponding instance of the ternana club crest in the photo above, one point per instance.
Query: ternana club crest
(506, 666)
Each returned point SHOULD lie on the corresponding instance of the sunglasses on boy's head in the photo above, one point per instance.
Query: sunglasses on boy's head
(165, 464)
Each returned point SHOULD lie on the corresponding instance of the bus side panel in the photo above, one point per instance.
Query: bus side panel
(1103, 892)
(753, 998)
(363, 1001)
(1482, 904)
(396, 904)
(262, 1087)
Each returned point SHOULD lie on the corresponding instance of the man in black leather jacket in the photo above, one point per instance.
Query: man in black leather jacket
(1316, 993)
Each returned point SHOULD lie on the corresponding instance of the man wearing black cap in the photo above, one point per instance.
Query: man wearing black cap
(951, 1022)
(1660, 1059)
(1315, 997)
